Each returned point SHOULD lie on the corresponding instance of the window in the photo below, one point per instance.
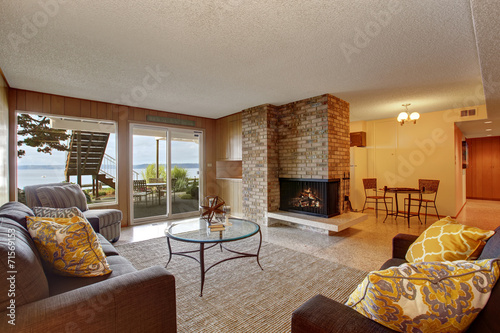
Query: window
(54, 149)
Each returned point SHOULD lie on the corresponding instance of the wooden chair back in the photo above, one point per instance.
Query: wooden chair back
(370, 183)
(430, 186)
(139, 185)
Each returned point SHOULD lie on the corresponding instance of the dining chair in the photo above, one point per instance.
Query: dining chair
(428, 194)
(372, 196)
(141, 190)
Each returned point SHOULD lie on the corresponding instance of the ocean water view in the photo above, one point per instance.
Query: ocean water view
(34, 176)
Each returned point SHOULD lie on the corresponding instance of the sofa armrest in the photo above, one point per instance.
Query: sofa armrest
(321, 314)
(142, 301)
(400, 245)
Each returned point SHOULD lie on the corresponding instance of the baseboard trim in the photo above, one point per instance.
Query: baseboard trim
(460, 211)
(478, 198)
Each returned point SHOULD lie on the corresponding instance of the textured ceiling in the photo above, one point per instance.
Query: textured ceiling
(214, 58)
(487, 28)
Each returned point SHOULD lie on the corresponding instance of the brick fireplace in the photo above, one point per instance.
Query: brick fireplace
(306, 139)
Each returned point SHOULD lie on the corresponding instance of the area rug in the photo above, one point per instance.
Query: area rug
(238, 296)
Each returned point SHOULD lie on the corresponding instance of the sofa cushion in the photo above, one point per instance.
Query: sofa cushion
(60, 284)
(321, 314)
(448, 240)
(30, 281)
(105, 221)
(487, 321)
(105, 217)
(107, 248)
(69, 246)
(427, 296)
(16, 211)
(64, 212)
(64, 196)
(57, 212)
(492, 248)
(32, 199)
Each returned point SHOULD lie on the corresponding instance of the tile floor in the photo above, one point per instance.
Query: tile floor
(365, 246)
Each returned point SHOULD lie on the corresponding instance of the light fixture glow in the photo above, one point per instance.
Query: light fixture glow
(488, 122)
(414, 116)
(404, 116)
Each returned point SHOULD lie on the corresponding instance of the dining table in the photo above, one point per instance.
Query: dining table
(408, 191)
(157, 186)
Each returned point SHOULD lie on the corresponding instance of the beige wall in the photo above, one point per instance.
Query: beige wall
(4, 139)
(400, 155)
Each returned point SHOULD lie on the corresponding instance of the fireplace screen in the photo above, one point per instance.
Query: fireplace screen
(318, 197)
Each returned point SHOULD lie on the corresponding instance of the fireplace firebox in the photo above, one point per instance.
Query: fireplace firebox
(318, 197)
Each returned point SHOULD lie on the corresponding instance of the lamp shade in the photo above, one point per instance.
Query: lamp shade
(402, 116)
(414, 115)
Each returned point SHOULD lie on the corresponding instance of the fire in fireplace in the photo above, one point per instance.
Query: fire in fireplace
(306, 198)
(319, 197)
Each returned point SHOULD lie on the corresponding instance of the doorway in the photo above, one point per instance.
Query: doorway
(166, 176)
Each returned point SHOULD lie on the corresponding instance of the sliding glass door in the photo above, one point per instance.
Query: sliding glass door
(166, 172)
(149, 177)
(185, 171)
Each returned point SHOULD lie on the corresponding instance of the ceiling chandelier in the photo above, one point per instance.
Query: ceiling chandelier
(405, 115)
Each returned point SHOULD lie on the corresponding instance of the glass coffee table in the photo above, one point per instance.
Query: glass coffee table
(199, 232)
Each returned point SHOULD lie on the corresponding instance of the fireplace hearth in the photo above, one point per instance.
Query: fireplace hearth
(318, 197)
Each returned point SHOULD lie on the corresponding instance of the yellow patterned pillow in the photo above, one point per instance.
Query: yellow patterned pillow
(448, 240)
(427, 296)
(69, 246)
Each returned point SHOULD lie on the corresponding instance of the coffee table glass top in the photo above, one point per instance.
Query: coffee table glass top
(197, 231)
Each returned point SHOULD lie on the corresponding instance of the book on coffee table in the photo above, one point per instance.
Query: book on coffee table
(218, 227)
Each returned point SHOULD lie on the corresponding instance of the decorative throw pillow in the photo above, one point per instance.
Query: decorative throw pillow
(58, 212)
(427, 296)
(69, 246)
(448, 240)
(492, 248)
(64, 196)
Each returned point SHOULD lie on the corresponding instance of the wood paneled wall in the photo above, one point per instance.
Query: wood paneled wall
(29, 101)
(229, 137)
(229, 157)
(483, 173)
(231, 191)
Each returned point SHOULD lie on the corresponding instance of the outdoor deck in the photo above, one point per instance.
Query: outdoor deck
(153, 208)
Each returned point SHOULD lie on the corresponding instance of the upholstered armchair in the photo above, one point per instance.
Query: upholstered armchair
(107, 222)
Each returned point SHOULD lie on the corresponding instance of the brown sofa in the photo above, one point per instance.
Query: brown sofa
(321, 314)
(126, 300)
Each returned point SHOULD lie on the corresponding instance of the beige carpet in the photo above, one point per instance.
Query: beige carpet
(238, 296)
